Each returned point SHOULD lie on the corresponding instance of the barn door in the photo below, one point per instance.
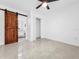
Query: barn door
(11, 27)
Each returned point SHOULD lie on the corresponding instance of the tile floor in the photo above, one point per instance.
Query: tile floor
(39, 49)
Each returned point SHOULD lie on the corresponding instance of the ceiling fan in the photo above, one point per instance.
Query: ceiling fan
(45, 3)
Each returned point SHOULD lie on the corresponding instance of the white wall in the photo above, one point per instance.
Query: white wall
(32, 23)
(2, 33)
(62, 25)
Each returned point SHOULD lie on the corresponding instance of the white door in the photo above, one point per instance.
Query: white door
(38, 28)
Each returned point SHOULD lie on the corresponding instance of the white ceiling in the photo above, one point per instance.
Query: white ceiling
(24, 5)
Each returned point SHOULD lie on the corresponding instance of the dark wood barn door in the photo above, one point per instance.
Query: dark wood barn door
(11, 27)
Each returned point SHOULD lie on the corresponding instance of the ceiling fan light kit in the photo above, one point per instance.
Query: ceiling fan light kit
(45, 3)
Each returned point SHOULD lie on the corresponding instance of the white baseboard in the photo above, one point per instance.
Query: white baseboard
(69, 43)
(1, 43)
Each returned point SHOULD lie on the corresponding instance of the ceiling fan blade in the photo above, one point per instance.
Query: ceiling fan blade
(38, 6)
(47, 7)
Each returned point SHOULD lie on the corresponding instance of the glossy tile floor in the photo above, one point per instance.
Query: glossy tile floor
(39, 49)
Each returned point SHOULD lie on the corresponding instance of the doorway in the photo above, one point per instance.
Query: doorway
(38, 28)
(22, 28)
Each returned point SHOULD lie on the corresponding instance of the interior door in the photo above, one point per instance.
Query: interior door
(11, 27)
(38, 28)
